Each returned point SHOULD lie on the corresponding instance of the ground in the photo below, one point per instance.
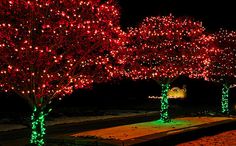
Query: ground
(132, 131)
(7, 126)
(222, 139)
(156, 131)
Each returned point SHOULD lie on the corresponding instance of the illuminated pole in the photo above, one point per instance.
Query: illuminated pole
(38, 126)
(164, 103)
(225, 99)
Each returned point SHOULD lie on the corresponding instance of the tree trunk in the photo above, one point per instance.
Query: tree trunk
(225, 99)
(164, 102)
(38, 126)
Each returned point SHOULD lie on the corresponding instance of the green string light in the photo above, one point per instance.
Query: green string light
(164, 103)
(38, 127)
(34, 125)
(225, 100)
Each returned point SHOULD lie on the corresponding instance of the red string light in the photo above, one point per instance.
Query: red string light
(165, 47)
(48, 48)
(223, 64)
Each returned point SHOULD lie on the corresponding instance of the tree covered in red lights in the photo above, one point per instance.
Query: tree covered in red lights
(51, 47)
(163, 48)
(222, 68)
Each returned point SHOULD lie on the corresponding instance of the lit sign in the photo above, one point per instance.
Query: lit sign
(174, 93)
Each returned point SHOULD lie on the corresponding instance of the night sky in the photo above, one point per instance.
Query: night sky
(213, 14)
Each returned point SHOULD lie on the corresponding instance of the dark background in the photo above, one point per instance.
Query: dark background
(128, 94)
(214, 14)
(124, 95)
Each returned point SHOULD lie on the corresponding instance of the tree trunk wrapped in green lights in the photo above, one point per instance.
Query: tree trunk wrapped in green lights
(38, 126)
(225, 99)
(164, 103)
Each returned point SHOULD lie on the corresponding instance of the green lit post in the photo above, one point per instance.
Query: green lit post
(225, 99)
(164, 103)
(38, 126)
